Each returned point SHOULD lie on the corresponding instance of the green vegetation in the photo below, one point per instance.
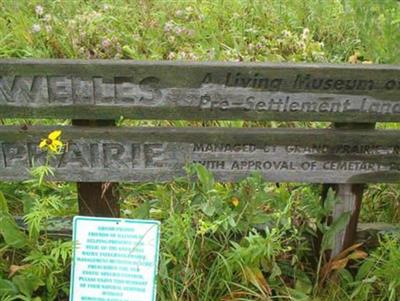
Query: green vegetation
(247, 241)
(239, 30)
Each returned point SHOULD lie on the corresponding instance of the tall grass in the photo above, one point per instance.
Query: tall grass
(248, 241)
(256, 30)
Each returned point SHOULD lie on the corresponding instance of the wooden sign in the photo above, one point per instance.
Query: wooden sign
(114, 259)
(160, 154)
(175, 90)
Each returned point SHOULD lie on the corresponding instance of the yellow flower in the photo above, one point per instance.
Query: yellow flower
(235, 201)
(52, 142)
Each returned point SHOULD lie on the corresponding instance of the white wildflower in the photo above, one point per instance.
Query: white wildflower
(39, 10)
(211, 53)
(127, 211)
(190, 32)
(251, 30)
(182, 55)
(171, 55)
(36, 28)
(71, 23)
(191, 56)
(169, 26)
(105, 43)
(306, 33)
(179, 13)
(47, 17)
(179, 30)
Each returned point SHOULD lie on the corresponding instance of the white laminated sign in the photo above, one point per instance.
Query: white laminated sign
(114, 259)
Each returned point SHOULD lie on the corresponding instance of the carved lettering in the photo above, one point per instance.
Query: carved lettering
(309, 82)
(207, 79)
(290, 104)
(234, 92)
(212, 164)
(23, 89)
(312, 149)
(104, 90)
(150, 88)
(15, 155)
(2, 156)
(36, 156)
(130, 160)
(137, 157)
(256, 81)
(77, 156)
(60, 89)
(125, 88)
(308, 165)
(114, 155)
(224, 147)
(154, 155)
(351, 166)
(394, 167)
(95, 159)
(262, 165)
(83, 90)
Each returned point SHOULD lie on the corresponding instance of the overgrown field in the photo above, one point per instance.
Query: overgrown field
(247, 241)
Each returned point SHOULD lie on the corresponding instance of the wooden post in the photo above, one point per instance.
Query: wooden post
(97, 198)
(349, 198)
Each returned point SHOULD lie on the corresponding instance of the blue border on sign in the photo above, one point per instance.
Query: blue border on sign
(131, 221)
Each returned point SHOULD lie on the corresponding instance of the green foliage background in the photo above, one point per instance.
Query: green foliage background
(263, 248)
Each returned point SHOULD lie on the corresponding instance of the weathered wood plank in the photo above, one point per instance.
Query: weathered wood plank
(97, 198)
(104, 89)
(160, 154)
(349, 198)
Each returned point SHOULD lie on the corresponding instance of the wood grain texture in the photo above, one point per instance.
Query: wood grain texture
(108, 89)
(160, 154)
(349, 199)
(97, 198)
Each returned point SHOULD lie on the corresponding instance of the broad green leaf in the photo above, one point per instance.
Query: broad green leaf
(12, 235)
(298, 295)
(303, 284)
(7, 288)
(365, 270)
(232, 222)
(261, 218)
(330, 200)
(143, 211)
(205, 177)
(3, 204)
(208, 208)
(337, 226)
(346, 276)
(276, 271)
(27, 284)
